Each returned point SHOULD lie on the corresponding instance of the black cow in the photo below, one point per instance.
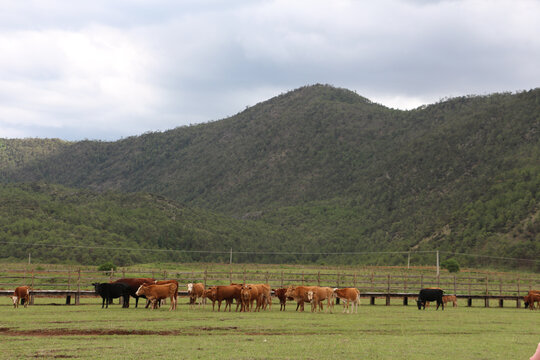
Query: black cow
(430, 295)
(111, 291)
(134, 284)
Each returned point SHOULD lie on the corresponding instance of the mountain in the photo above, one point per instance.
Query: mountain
(339, 172)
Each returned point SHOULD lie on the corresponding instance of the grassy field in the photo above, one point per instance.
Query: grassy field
(376, 332)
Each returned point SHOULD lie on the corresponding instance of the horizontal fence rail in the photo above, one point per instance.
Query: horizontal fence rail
(77, 282)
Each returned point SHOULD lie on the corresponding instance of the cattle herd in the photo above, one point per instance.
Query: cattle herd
(248, 297)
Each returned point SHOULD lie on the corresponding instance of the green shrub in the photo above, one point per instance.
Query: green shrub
(107, 267)
(451, 265)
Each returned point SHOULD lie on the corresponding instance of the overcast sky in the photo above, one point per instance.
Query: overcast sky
(105, 69)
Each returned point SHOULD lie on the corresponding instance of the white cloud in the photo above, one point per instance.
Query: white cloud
(105, 69)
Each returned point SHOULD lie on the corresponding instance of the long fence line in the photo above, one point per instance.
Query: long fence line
(76, 282)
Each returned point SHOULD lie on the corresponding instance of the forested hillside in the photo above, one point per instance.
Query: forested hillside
(58, 224)
(333, 171)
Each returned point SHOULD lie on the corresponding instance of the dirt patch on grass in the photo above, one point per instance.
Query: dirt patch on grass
(99, 332)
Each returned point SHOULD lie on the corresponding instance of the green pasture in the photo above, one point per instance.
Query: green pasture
(376, 332)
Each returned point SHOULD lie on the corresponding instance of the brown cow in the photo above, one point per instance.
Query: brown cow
(154, 293)
(280, 294)
(299, 294)
(196, 292)
(228, 293)
(532, 297)
(318, 295)
(21, 293)
(349, 295)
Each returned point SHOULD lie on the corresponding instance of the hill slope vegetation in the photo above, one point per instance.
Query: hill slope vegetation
(330, 171)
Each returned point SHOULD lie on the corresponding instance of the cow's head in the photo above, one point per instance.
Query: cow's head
(190, 288)
(420, 303)
(141, 290)
(15, 300)
(310, 295)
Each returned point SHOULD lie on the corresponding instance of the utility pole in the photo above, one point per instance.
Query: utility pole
(408, 260)
(437, 262)
(29, 257)
(230, 258)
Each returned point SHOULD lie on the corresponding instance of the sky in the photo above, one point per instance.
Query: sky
(110, 69)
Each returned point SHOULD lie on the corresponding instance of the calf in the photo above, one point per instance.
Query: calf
(426, 295)
(196, 292)
(155, 293)
(109, 291)
(210, 293)
(21, 293)
(448, 298)
(280, 293)
(349, 295)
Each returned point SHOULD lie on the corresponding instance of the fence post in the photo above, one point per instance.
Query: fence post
(518, 302)
(455, 288)
(164, 274)
(78, 296)
(69, 279)
(421, 281)
(405, 282)
(32, 278)
(487, 292)
(123, 273)
(230, 275)
(319, 278)
(244, 276)
(281, 278)
(388, 291)
(354, 281)
(302, 278)
(205, 276)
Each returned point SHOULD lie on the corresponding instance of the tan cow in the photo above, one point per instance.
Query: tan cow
(318, 294)
(448, 298)
(349, 295)
(164, 282)
(299, 294)
(21, 293)
(250, 293)
(196, 293)
(154, 293)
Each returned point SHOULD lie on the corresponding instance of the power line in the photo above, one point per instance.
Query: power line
(261, 252)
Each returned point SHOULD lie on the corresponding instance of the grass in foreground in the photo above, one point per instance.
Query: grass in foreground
(376, 332)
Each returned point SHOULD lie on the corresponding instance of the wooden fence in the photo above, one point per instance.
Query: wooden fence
(78, 281)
